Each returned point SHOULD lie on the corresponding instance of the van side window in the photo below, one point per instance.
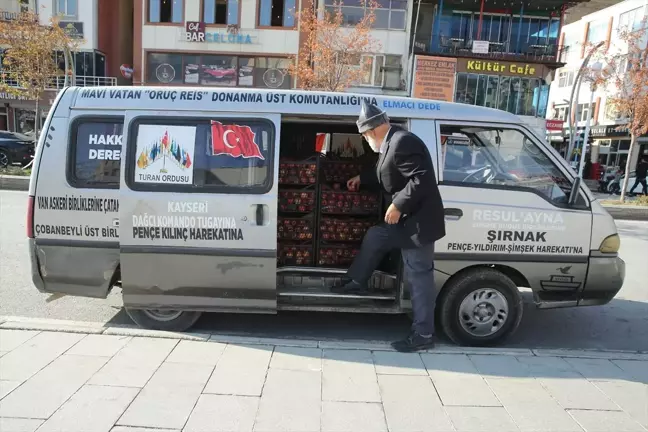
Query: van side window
(95, 153)
(495, 157)
(224, 155)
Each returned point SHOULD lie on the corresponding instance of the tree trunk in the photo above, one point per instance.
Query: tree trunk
(624, 186)
(37, 121)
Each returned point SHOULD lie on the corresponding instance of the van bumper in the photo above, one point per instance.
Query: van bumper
(37, 278)
(604, 280)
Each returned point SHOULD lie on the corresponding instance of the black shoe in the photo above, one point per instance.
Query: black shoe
(351, 287)
(413, 342)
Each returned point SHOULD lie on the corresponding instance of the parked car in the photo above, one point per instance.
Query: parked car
(15, 148)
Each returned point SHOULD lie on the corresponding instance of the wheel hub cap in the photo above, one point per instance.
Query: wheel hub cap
(162, 315)
(483, 312)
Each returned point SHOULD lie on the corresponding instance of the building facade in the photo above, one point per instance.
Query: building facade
(91, 66)
(488, 53)
(610, 140)
(250, 43)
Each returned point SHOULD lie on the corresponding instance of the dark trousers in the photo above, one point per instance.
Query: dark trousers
(418, 269)
(642, 182)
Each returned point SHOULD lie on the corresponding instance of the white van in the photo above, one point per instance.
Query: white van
(233, 200)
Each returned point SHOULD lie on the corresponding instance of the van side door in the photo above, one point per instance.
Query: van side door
(198, 211)
(506, 203)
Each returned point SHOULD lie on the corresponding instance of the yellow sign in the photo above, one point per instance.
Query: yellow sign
(496, 67)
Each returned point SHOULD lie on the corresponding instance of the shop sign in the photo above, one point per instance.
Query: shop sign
(555, 125)
(74, 29)
(499, 68)
(11, 96)
(195, 32)
(126, 71)
(434, 78)
(609, 131)
(480, 47)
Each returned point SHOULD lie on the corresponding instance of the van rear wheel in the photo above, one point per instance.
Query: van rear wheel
(481, 307)
(163, 319)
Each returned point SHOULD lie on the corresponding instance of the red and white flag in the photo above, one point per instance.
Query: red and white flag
(234, 140)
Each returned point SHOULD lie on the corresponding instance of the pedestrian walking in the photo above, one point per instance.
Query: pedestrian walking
(412, 223)
(641, 172)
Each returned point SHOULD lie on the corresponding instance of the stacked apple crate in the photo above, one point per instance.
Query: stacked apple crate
(344, 216)
(297, 213)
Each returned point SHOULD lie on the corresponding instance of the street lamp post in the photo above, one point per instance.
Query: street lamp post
(576, 89)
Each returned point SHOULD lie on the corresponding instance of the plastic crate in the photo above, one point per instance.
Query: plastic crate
(346, 230)
(298, 173)
(339, 172)
(336, 256)
(351, 203)
(297, 201)
(299, 229)
(294, 255)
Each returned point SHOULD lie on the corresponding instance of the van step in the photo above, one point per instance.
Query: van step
(324, 293)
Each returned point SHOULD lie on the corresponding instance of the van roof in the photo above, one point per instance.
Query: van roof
(290, 102)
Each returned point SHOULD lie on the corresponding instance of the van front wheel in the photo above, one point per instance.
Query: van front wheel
(481, 307)
(160, 319)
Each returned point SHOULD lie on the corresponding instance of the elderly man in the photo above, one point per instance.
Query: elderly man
(413, 221)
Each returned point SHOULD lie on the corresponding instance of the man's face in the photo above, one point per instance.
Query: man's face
(370, 136)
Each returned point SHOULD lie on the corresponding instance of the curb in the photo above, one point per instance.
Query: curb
(638, 213)
(18, 183)
(64, 326)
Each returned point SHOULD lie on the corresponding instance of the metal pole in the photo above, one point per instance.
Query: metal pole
(576, 88)
(517, 43)
(411, 69)
(587, 131)
(481, 18)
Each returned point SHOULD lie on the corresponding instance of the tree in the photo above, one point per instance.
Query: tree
(330, 59)
(29, 63)
(627, 86)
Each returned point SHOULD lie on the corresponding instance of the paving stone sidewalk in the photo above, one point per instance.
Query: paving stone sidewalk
(76, 382)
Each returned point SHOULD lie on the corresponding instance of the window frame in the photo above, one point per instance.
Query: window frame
(328, 5)
(164, 23)
(546, 151)
(70, 170)
(65, 14)
(258, 24)
(203, 3)
(194, 120)
(629, 26)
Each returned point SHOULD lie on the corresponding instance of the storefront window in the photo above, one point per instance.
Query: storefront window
(522, 96)
(164, 68)
(219, 70)
(24, 121)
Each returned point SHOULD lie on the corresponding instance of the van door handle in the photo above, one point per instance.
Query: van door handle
(259, 214)
(453, 213)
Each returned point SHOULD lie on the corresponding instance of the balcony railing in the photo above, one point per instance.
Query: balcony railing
(58, 82)
(457, 47)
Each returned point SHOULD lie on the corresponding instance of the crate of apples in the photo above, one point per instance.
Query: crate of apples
(349, 202)
(343, 230)
(297, 173)
(340, 172)
(294, 229)
(336, 256)
(295, 255)
(297, 201)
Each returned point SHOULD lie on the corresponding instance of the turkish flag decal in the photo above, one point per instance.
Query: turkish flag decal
(234, 140)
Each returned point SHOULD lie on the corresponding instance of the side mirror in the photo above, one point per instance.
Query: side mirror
(575, 190)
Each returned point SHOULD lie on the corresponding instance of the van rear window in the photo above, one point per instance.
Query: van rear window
(96, 153)
(194, 155)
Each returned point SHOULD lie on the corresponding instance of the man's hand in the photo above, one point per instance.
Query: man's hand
(353, 184)
(392, 215)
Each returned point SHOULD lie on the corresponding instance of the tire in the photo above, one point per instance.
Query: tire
(5, 159)
(167, 320)
(467, 301)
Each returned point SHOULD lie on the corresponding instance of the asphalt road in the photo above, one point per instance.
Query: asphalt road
(621, 325)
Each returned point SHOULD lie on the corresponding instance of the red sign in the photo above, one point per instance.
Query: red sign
(195, 31)
(555, 125)
(234, 140)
